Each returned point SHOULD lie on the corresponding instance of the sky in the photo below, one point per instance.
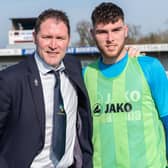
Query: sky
(150, 15)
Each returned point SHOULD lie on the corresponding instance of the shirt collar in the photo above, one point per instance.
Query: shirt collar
(44, 68)
(100, 60)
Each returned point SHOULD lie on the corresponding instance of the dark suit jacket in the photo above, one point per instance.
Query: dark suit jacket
(22, 115)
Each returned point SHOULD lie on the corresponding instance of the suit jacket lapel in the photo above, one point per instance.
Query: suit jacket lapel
(75, 76)
(37, 93)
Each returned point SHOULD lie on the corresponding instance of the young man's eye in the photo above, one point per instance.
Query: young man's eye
(118, 29)
(100, 32)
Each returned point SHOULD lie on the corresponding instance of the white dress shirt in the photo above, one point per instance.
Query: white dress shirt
(70, 104)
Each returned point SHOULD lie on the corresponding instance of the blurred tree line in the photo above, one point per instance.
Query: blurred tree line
(135, 35)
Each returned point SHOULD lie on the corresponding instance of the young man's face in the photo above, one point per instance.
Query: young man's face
(52, 41)
(110, 39)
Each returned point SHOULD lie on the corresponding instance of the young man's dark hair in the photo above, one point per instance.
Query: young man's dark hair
(107, 12)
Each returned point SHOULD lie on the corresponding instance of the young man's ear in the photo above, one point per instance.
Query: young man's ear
(92, 32)
(126, 31)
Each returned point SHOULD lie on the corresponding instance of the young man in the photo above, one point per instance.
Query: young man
(128, 98)
(27, 103)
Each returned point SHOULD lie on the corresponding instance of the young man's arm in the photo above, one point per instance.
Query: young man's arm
(158, 83)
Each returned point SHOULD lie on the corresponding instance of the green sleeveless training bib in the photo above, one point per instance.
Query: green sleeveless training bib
(127, 131)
